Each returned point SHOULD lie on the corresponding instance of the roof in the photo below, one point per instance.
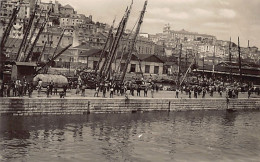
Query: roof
(68, 6)
(235, 70)
(91, 53)
(11, 42)
(83, 46)
(141, 57)
(25, 64)
(235, 64)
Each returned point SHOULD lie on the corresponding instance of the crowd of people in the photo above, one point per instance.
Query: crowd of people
(21, 87)
(17, 88)
(128, 88)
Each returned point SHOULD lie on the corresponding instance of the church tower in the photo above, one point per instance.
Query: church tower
(166, 29)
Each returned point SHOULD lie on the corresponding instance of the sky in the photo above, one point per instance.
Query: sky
(222, 18)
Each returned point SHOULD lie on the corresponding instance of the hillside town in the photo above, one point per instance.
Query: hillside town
(172, 56)
(129, 80)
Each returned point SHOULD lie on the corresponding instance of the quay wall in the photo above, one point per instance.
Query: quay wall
(46, 106)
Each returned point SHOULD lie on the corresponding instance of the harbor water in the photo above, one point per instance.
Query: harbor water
(153, 136)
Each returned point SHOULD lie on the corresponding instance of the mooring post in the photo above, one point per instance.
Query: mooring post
(88, 111)
(227, 100)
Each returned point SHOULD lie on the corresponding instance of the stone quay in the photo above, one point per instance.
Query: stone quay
(54, 106)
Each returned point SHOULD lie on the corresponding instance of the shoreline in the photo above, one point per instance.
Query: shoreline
(16, 106)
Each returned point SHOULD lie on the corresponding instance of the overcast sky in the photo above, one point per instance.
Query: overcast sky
(222, 18)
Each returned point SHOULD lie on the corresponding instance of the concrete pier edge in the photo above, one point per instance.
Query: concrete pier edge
(54, 106)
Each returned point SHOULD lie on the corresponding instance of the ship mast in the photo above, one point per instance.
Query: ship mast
(179, 67)
(106, 68)
(21, 50)
(105, 46)
(239, 62)
(230, 60)
(132, 47)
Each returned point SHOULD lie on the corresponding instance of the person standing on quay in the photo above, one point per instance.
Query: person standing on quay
(65, 89)
(48, 90)
(13, 88)
(8, 89)
(177, 93)
(83, 87)
(249, 92)
(157, 88)
(97, 90)
(56, 89)
(30, 90)
(132, 89)
(195, 92)
(152, 90)
(77, 89)
(104, 89)
(145, 91)
(39, 87)
(138, 90)
(111, 91)
(51, 86)
(189, 92)
(203, 92)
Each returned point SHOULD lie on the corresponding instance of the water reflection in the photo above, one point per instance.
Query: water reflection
(188, 136)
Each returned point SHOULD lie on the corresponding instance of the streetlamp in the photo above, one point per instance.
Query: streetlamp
(70, 60)
(203, 59)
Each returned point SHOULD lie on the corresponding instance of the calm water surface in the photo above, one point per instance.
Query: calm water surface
(178, 136)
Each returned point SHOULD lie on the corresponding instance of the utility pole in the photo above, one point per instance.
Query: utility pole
(196, 62)
(203, 59)
(186, 59)
(239, 62)
(230, 61)
(213, 66)
(179, 67)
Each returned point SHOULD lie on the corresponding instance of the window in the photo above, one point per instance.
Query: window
(95, 64)
(122, 66)
(133, 66)
(156, 69)
(147, 68)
